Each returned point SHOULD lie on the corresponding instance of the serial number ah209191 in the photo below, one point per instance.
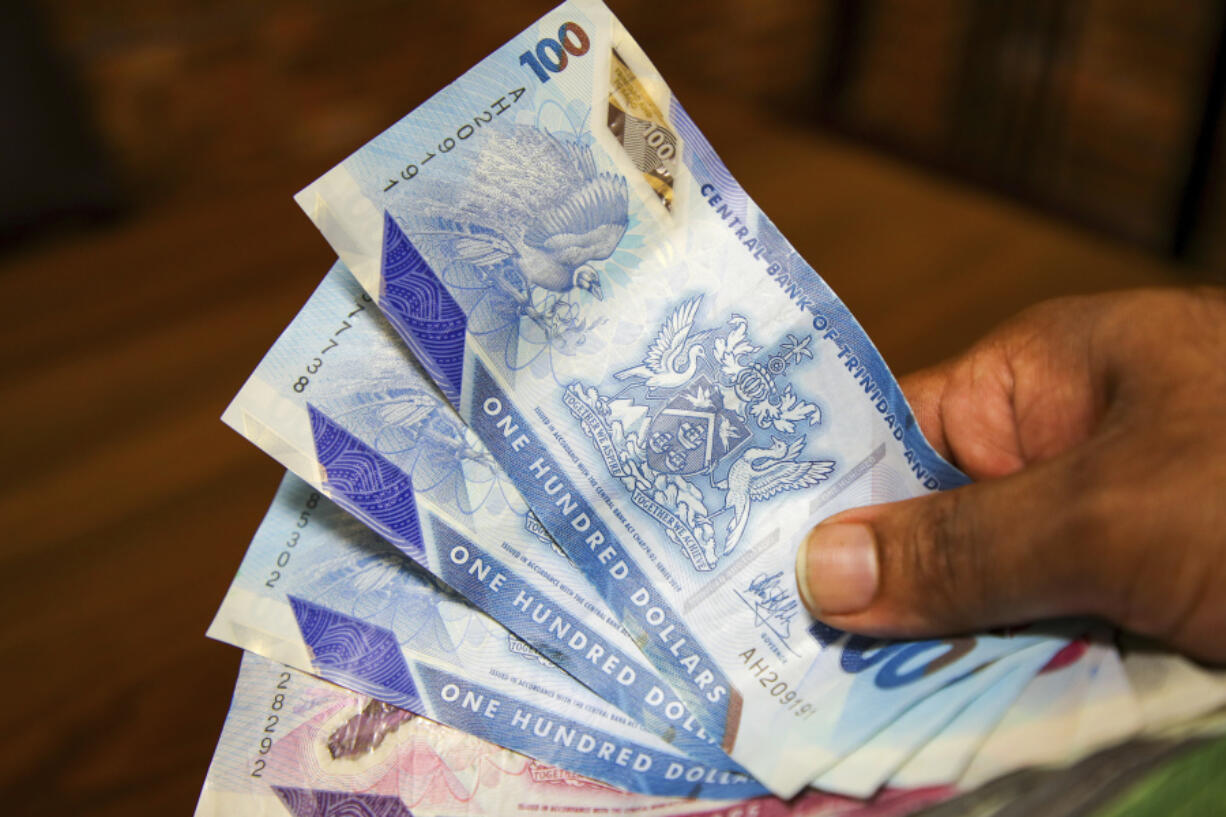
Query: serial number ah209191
(779, 689)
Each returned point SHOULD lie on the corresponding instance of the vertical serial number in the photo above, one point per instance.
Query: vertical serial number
(316, 363)
(291, 541)
(271, 720)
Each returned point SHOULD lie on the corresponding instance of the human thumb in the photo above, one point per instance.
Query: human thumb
(1003, 551)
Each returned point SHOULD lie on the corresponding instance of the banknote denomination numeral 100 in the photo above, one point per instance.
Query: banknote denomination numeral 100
(897, 664)
(286, 553)
(661, 141)
(270, 724)
(552, 55)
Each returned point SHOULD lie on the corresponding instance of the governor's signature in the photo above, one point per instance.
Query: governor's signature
(772, 603)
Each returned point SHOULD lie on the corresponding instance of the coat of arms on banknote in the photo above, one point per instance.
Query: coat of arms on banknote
(703, 427)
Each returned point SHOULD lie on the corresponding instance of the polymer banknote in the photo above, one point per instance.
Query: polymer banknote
(1100, 689)
(321, 592)
(1066, 713)
(377, 382)
(1090, 696)
(674, 391)
(339, 401)
(997, 684)
(1075, 709)
(946, 755)
(295, 745)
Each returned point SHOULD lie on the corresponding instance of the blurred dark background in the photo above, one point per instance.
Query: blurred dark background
(942, 163)
(1102, 113)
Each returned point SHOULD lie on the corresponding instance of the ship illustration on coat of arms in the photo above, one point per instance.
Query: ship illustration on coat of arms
(704, 428)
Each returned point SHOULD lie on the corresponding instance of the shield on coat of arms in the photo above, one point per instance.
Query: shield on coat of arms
(693, 431)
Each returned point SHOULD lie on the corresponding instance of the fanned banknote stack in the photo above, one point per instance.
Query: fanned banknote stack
(555, 423)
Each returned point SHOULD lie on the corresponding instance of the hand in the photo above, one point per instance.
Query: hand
(1097, 427)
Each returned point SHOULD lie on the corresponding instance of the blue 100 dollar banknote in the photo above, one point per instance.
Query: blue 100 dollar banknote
(321, 592)
(339, 401)
(373, 392)
(946, 755)
(675, 392)
(865, 770)
(296, 746)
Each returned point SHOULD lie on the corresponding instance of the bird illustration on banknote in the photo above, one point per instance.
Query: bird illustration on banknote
(759, 474)
(526, 225)
(671, 360)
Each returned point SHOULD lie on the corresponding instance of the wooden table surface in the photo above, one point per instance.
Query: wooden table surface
(127, 505)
